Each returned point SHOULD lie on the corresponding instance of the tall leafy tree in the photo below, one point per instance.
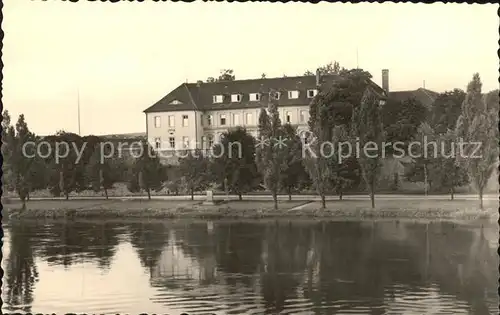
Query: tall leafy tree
(478, 124)
(195, 169)
(66, 171)
(234, 162)
(101, 172)
(147, 173)
(424, 157)
(21, 161)
(446, 110)
(446, 172)
(271, 153)
(294, 176)
(402, 119)
(368, 127)
(328, 69)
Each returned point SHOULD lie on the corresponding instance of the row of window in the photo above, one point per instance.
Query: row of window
(223, 121)
(208, 141)
(255, 97)
(171, 121)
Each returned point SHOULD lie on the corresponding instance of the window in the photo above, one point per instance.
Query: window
(185, 142)
(288, 117)
(249, 119)
(236, 119)
(254, 97)
(210, 141)
(157, 121)
(175, 102)
(312, 93)
(293, 94)
(158, 143)
(171, 142)
(222, 120)
(236, 98)
(302, 116)
(171, 121)
(275, 95)
(209, 120)
(184, 120)
(218, 98)
(201, 119)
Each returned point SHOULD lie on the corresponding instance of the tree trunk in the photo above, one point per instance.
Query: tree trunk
(340, 194)
(289, 195)
(24, 204)
(28, 196)
(323, 201)
(240, 198)
(66, 195)
(481, 198)
(177, 192)
(106, 193)
(149, 194)
(452, 191)
(192, 194)
(372, 196)
(425, 179)
(275, 198)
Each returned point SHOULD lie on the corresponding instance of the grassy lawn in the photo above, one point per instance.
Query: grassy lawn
(99, 209)
(264, 205)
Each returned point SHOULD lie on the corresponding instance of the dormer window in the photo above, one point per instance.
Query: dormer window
(312, 93)
(175, 102)
(293, 94)
(254, 97)
(275, 95)
(218, 98)
(236, 98)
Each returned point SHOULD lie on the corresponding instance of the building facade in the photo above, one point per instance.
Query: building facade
(195, 115)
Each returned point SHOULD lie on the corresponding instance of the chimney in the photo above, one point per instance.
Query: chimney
(317, 78)
(385, 80)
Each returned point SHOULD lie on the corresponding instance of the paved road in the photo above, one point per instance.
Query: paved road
(285, 197)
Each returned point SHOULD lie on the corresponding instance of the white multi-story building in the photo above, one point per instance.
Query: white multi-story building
(195, 115)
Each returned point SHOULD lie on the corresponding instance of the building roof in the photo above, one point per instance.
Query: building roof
(194, 96)
(426, 97)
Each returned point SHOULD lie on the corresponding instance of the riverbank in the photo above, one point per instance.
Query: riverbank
(255, 209)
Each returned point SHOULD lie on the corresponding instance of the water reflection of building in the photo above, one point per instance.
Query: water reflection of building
(173, 263)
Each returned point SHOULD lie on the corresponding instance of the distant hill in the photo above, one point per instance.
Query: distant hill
(133, 135)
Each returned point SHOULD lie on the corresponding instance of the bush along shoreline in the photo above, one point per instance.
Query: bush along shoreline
(141, 209)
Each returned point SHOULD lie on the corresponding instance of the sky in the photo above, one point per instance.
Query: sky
(123, 57)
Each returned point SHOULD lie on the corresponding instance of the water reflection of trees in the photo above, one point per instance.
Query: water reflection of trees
(337, 265)
(20, 269)
(68, 243)
(149, 240)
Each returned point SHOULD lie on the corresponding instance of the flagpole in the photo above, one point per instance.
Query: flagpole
(79, 130)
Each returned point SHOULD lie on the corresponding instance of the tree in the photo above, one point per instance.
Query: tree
(271, 156)
(226, 75)
(100, 171)
(22, 160)
(147, 173)
(424, 160)
(66, 173)
(368, 127)
(446, 110)
(402, 119)
(235, 162)
(478, 124)
(328, 69)
(294, 176)
(174, 179)
(447, 173)
(195, 169)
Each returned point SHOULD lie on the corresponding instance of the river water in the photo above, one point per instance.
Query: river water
(290, 267)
